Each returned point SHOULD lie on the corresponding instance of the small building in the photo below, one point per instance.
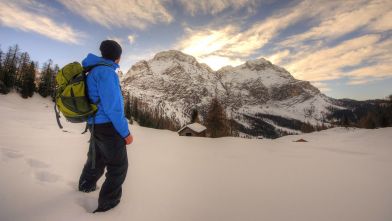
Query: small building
(193, 130)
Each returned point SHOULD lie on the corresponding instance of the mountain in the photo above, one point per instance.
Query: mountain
(262, 99)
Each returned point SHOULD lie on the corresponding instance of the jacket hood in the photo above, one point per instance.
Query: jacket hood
(93, 59)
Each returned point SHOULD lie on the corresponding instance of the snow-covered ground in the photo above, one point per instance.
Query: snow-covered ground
(339, 175)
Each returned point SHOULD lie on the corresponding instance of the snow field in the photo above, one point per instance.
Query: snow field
(339, 175)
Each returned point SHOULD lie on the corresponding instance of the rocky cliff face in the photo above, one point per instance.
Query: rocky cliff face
(252, 93)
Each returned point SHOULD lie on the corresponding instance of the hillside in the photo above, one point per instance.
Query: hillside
(340, 174)
(254, 94)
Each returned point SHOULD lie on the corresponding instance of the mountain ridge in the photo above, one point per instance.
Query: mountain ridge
(176, 83)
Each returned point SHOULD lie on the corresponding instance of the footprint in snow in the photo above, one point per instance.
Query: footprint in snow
(36, 163)
(46, 177)
(10, 153)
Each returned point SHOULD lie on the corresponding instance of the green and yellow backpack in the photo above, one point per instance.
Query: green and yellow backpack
(71, 98)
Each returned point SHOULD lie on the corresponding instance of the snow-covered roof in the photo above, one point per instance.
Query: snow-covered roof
(198, 128)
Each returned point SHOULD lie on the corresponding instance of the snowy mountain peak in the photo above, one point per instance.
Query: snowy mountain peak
(174, 55)
(258, 62)
(174, 84)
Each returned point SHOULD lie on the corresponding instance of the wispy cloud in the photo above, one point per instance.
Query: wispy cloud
(363, 57)
(235, 42)
(322, 86)
(278, 56)
(345, 18)
(216, 6)
(329, 63)
(120, 13)
(25, 16)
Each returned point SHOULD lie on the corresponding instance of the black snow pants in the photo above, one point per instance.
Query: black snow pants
(110, 152)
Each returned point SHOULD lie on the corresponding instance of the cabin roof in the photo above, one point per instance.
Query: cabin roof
(198, 128)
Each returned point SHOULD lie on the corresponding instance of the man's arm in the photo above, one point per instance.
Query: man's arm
(112, 102)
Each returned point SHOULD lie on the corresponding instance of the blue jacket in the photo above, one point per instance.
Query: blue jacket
(104, 86)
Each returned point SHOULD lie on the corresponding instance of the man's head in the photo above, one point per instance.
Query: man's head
(111, 50)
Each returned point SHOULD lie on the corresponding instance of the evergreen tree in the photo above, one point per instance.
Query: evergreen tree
(28, 82)
(307, 128)
(195, 116)
(135, 109)
(3, 88)
(52, 85)
(216, 120)
(368, 121)
(23, 66)
(127, 108)
(10, 66)
(46, 84)
(1, 65)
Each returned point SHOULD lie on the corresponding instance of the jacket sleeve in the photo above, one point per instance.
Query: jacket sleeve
(112, 102)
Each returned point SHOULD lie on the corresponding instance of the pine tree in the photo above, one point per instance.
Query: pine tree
(127, 108)
(10, 66)
(195, 116)
(135, 109)
(1, 65)
(307, 128)
(52, 87)
(22, 72)
(216, 120)
(368, 121)
(3, 88)
(46, 84)
(28, 82)
(22, 68)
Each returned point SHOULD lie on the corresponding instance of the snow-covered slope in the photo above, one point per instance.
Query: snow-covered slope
(175, 84)
(172, 81)
(339, 175)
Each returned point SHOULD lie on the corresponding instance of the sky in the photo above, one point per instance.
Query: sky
(341, 47)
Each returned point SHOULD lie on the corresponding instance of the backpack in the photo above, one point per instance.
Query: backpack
(71, 98)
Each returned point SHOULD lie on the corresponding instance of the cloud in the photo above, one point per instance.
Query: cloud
(236, 42)
(322, 86)
(120, 13)
(216, 62)
(382, 22)
(370, 73)
(205, 42)
(216, 6)
(346, 18)
(365, 56)
(362, 59)
(25, 16)
(131, 39)
(278, 56)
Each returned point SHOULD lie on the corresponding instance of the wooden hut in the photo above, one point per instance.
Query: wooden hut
(193, 130)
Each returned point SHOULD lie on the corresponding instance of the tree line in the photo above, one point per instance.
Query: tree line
(216, 120)
(20, 73)
(364, 114)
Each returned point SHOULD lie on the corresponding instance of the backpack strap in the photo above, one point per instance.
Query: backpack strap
(90, 68)
(57, 116)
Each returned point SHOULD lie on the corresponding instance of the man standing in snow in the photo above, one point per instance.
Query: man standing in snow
(110, 128)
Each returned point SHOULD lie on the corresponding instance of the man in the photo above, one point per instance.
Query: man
(110, 128)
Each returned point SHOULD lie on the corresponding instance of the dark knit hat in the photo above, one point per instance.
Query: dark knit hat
(110, 50)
